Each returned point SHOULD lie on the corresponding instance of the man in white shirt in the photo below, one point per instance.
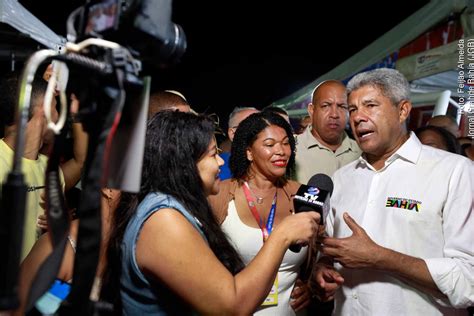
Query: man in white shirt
(401, 223)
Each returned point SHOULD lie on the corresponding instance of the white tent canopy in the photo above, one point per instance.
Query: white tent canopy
(405, 32)
(15, 15)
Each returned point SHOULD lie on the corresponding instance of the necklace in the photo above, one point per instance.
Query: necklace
(266, 228)
(258, 199)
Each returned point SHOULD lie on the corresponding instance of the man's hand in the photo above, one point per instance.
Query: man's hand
(42, 220)
(300, 296)
(359, 251)
(356, 251)
(326, 281)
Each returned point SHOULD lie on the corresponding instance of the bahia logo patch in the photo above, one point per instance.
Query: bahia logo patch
(407, 204)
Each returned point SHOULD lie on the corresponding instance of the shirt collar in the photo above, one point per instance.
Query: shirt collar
(347, 144)
(409, 151)
(307, 139)
(310, 141)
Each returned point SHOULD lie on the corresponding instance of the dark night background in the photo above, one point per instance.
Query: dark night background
(251, 53)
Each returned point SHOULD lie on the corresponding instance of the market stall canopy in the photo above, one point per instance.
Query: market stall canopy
(430, 71)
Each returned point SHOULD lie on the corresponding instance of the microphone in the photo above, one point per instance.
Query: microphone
(313, 197)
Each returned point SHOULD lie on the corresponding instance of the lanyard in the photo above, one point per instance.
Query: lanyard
(266, 230)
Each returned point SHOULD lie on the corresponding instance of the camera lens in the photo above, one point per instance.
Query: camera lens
(174, 48)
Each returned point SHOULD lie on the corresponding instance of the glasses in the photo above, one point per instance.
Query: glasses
(215, 118)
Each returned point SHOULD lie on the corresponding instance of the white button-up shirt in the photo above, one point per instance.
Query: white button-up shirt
(419, 204)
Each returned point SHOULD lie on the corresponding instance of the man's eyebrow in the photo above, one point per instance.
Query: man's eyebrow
(369, 101)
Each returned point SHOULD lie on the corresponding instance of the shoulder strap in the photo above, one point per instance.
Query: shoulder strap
(58, 224)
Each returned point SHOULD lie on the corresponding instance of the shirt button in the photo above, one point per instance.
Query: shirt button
(354, 296)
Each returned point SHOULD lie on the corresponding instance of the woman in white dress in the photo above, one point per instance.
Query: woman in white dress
(258, 198)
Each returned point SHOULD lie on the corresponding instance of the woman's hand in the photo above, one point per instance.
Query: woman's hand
(42, 222)
(299, 228)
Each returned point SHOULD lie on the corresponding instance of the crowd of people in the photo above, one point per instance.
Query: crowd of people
(207, 235)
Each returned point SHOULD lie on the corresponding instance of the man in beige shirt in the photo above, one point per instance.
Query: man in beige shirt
(324, 146)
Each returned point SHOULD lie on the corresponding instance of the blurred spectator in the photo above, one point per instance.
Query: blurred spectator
(33, 162)
(280, 111)
(235, 117)
(304, 122)
(43, 248)
(167, 100)
(438, 137)
(447, 122)
(467, 147)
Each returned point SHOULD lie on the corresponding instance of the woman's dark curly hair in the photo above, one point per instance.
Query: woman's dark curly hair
(247, 133)
(175, 142)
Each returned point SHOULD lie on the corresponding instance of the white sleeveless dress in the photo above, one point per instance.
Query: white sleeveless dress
(248, 241)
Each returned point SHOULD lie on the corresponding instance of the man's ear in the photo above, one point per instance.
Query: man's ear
(310, 110)
(230, 133)
(404, 109)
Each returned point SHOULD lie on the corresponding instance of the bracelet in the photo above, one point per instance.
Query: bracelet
(75, 117)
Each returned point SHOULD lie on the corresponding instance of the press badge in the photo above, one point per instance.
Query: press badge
(272, 298)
